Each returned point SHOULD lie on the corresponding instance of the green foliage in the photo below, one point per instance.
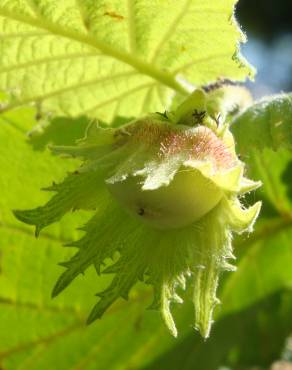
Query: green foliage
(266, 124)
(252, 336)
(35, 330)
(96, 58)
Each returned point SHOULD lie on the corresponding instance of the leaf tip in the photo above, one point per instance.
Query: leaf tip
(59, 287)
(93, 316)
(18, 214)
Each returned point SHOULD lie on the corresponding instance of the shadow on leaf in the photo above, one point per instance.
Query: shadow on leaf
(65, 131)
(253, 337)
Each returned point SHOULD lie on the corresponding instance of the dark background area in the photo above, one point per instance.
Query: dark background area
(268, 25)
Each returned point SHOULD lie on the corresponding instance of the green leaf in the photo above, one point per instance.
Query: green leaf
(97, 57)
(264, 266)
(263, 137)
(274, 170)
(266, 255)
(58, 131)
(266, 124)
(249, 339)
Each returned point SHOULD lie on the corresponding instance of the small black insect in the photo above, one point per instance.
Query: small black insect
(163, 114)
(141, 211)
(198, 116)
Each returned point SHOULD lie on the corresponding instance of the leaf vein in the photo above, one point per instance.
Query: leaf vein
(120, 96)
(42, 308)
(200, 61)
(43, 340)
(170, 31)
(64, 90)
(44, 235)
(132, 26)
(47, 60)
(124, 57)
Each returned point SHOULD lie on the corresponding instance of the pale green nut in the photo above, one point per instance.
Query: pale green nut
(185, 200)
(196, 160)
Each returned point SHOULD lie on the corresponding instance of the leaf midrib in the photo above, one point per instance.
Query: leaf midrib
(145, 68)
(26, 231)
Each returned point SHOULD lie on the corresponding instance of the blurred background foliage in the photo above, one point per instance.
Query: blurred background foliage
(268, 25)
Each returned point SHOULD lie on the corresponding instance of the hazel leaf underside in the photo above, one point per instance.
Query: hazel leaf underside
(266, 124)
(97, 57)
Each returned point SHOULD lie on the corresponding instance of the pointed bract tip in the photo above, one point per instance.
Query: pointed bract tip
(37, 231)
(204, 331)
(58, 288)
(92, 317)
(54, 293)
(173, 330)
(19, 215)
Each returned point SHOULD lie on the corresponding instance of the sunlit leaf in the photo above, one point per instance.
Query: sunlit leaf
(98, 57)
(266, 124)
